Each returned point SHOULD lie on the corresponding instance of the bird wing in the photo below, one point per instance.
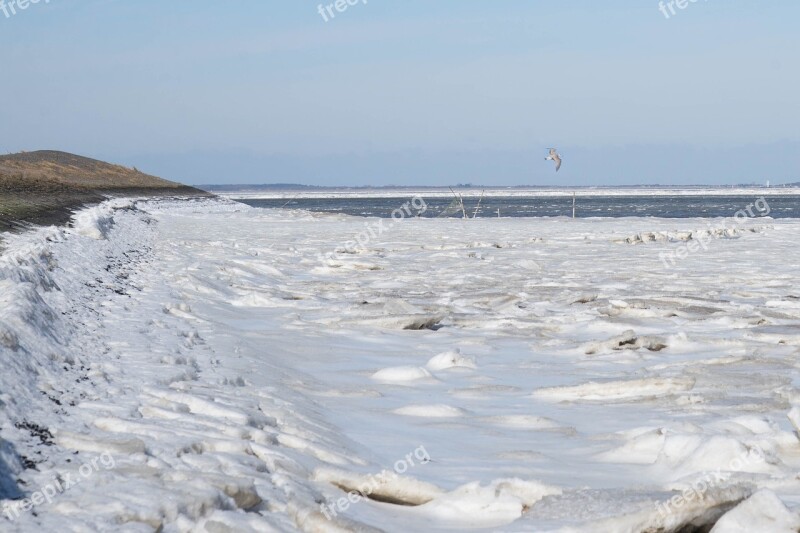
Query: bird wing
(558, 162)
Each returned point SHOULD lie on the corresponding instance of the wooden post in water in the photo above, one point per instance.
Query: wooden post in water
(573, 205)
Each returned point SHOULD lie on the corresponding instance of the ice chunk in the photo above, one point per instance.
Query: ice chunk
(386, 486)
(763, 511)
(498, 504)
(617, 390)
(431, 411)
(450, 359)
(400, 374)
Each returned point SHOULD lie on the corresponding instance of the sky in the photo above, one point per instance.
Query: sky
(409, 92)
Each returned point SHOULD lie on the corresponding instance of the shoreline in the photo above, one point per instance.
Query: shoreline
(20, 209)
(532, 192)
(46, 187)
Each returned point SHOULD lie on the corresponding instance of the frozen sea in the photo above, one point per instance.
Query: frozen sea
(209, 366)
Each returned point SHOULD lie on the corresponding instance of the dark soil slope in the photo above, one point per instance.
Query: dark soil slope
(45, 187)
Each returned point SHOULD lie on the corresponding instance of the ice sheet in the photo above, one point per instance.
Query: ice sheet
(557, 375)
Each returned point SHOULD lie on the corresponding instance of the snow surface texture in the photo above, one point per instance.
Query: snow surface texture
(204, 366)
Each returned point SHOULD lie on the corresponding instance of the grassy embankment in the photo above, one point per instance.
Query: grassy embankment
(46, 187)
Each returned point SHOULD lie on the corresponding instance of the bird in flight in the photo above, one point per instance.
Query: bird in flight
(554, 157)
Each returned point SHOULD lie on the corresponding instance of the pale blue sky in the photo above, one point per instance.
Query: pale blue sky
(410, 91)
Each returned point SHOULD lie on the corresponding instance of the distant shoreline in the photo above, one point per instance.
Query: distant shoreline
(533, 192)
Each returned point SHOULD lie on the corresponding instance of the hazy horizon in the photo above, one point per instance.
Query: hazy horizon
(410, 93)
(277, 186)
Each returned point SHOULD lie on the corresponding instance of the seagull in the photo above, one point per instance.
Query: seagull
(554, 157)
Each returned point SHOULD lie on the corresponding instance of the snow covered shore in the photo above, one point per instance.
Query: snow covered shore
(204, 366)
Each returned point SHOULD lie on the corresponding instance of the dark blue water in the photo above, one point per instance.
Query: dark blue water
(590, 206)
